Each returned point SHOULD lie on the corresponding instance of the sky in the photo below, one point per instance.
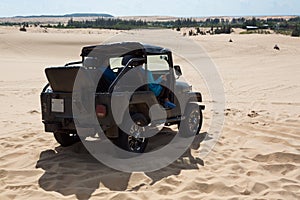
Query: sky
(178, 8)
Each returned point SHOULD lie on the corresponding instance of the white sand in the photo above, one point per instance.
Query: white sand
(257, 156)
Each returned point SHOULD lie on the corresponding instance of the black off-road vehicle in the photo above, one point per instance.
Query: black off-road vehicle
(119, 80)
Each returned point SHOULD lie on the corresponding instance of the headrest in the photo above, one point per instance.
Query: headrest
(126, 59)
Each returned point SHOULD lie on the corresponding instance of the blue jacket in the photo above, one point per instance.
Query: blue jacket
(154, 84)
(108, 73)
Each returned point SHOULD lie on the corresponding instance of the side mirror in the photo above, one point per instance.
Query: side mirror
(177, 70)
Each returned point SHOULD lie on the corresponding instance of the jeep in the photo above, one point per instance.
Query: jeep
(104, 74)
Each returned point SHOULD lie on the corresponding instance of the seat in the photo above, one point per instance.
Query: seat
(107, 78)
(132, 79)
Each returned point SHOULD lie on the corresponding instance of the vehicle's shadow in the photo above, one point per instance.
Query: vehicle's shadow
(73, 171)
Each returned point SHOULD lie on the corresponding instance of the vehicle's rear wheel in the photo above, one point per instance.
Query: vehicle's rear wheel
(66, 139)
(192, 123)
(131, 141)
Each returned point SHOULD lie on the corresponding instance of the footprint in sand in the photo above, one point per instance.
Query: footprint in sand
(231, 111)
(253, 114)
(33, 112)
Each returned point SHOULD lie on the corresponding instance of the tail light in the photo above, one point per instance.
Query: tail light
(101, 111)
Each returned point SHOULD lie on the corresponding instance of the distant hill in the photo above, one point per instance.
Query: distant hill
(67, 15)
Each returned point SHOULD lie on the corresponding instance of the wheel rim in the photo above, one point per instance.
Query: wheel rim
(194, 121)
(135, 142)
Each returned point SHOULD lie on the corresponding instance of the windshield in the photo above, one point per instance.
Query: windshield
(155, 63)
(115, 62)
(158, 63)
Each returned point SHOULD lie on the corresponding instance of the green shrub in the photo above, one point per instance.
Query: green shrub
(296, 32)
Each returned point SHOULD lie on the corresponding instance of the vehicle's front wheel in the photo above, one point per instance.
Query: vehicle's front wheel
(66, 139)
(192, 123)
(130, 139)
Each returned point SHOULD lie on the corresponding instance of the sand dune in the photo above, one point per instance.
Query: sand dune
(256, 157)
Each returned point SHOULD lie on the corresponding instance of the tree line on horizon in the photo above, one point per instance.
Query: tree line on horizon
(219, 25)
(106, 23)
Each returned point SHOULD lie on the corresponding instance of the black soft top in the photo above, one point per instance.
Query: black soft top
(123, 48)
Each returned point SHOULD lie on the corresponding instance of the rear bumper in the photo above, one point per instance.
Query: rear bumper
(59, 124)
(52, 127)
(202, 107)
